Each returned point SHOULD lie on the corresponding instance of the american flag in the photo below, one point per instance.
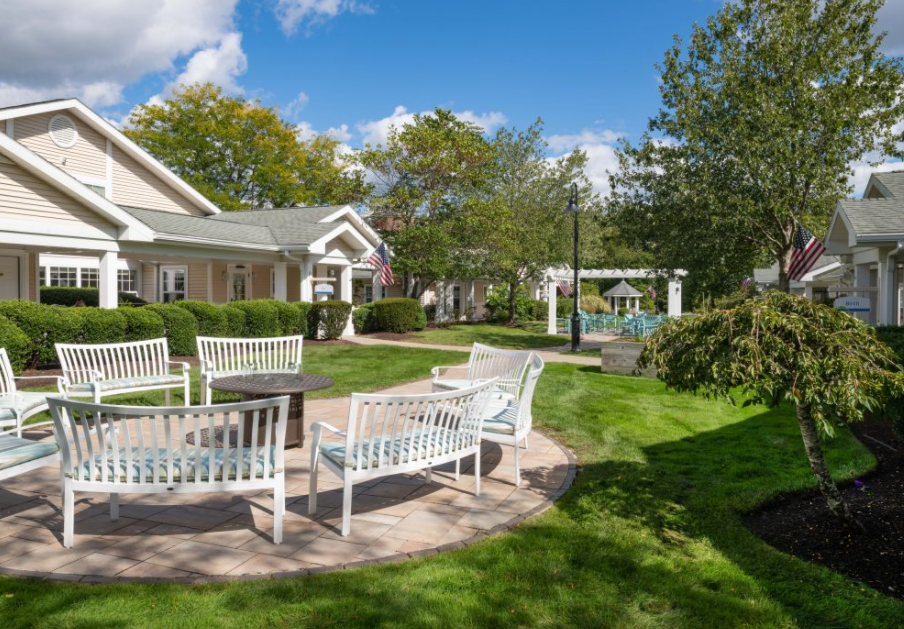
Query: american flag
(807, 249)
(564, 287)
(652, 291)
(380, 260)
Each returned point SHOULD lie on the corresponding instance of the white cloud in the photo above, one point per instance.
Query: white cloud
(296, 105)
(891, 18)
(376, 131)
(600, 149)
(306, 131)
(294, 13)
(92, 49)
(341, 133)
(221, 65)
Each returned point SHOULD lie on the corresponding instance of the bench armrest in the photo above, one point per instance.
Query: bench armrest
(184, 366)
(57, 378)
(438, 371)
(205, 365)
(316, 428)
(94, 377)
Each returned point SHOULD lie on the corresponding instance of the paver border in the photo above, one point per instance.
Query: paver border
(395, 558)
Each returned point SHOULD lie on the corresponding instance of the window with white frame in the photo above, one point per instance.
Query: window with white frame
(127, 281)
(89, 278)
(42, 276)
(368, 293)
(63, 276)
(173, 283)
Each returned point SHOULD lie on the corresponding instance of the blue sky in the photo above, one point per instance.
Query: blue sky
(354, 67)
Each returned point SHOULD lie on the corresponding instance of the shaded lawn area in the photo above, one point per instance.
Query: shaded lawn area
(528, 336)
(649, 536)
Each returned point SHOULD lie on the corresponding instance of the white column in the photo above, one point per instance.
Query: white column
(450, 301)
(107, 284)
(280, 282)
(885, 310)
(210, 282)
(345, 292)
(306, 290)
(674, 298)
(440, 301)
(377, 286)
(471, 306)
(862, 280)
(551, 306)
(808, 291)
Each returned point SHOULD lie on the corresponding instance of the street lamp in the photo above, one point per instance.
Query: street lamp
(576, 313)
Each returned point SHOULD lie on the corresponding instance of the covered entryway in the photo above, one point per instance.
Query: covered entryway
(9, 277)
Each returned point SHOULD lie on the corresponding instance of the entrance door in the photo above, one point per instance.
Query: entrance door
(9, 277)
(174, 283)
(239, 282)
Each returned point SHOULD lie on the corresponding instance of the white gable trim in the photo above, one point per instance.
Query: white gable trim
(355, 218)
(319, 245)
(99, 124)
(133, 229)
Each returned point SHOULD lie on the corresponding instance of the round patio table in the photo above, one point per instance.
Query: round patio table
(264, 385)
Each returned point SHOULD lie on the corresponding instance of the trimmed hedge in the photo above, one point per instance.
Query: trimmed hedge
(100, 325)
(211, 319)
(17, 344)
(304, 316)
(290, 318)
(142, 324)
(261, 318)
(235, 320)
(181, 328)
(328, 318)
(70, 296)
(397, 314)
(363, 318)
(44, 326)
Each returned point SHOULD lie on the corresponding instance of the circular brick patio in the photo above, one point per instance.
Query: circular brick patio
(214, 537)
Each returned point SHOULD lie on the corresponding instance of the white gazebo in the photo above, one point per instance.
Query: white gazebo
(625, 291)
(565, 274)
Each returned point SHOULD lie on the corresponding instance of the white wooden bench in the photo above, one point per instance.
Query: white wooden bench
(114, 368)
(144, 449)
(18, 456)
(221, 357)
(486, 362)
(17, 406)
(395, 434)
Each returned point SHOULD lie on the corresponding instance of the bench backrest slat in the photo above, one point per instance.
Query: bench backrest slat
(7, 377)
(227, 356)
(508, 366)
(136, 359)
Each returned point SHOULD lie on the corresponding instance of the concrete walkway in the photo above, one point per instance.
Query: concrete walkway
(549, 354)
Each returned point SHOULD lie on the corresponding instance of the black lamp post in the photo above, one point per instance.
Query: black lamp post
(576, 314)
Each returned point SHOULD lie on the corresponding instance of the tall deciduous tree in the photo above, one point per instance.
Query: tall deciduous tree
(430, 195)
(240, 154)
(763, 112)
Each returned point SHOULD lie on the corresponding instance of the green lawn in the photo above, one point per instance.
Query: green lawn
(527, 336)
(649, 537)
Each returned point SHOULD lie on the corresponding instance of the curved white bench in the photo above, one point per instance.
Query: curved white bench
(221, 357)
(485, 362)
(143, 449)
(17, 406)
(96, 371)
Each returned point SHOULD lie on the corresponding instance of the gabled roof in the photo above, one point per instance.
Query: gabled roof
(622, 289)
(102, 126)
(888, 184)
(289, 226)
(874, 217)
(168, 225)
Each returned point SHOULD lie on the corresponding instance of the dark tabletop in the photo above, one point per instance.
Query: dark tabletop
(272, 383)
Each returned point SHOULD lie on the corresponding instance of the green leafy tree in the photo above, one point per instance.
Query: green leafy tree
(240, 154)
(429, 201)
(762, 113)
(784, 349)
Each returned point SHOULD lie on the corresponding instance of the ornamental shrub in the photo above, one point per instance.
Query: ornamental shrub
(211, 319)
(142, 324)
(235, 321)
(564, 307)
(594, 304)
(396, 314)
(497, 303)
(16, 343)
(261, 318)
(99, 325)
(304, 312)
(363, 319)
(44, 326)
(70, 296)
(289, 317)
(327, 319)
(180, 328)
(421, 321)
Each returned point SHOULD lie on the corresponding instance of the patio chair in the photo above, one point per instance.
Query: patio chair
(18, 406)
(486, 362)
(396, 434)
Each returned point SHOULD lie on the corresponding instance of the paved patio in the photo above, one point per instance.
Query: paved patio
(225, 536)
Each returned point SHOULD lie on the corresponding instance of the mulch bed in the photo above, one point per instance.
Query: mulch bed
(803, 526)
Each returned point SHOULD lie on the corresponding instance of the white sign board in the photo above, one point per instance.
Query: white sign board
(323, 289)
(852, 304)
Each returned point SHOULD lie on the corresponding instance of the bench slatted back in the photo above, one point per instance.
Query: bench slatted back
(136, 359)
(525, 418)
(228, 356)
(148, 437)
(7, 377)
(508, 366)
(420, 427)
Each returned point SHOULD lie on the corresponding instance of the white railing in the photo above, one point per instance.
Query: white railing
(485, 362)
(221, 357)
(394, 434)
(141, 449)
(115, 368)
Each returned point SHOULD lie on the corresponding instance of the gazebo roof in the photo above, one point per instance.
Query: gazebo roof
(622, 289)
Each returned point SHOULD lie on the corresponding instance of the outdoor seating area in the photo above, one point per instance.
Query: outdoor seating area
(642, 324)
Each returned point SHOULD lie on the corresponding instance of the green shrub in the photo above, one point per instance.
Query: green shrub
(732, 300)
(16, 343)
(290, 318)
(99, 325)
(235, 321)
(304, 313)
(421, 321)
(893, 336)
(328, 318)
(44, 326)
(396, 314)
(211, 319)
(142, 324)
(594, 304)
(261, 318)
(564, 307)
(181, 328)
(70, 296)
(363, 319)
(497, 304)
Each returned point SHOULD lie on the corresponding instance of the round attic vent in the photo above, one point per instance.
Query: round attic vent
(62, 131)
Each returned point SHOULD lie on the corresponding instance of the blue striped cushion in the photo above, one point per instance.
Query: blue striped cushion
(22, 401)
(15, 451)
(394, 450)
(116, 384)
(191, 465)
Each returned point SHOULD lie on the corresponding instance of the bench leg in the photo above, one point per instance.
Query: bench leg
(68, 514)
(457, 469)
(517, 465)
(202, 394)
(525, 443)
(279, 508)
(477, 473)
(428, 477)
(114, 506)
(166, 397)
(347, 507)
(187, 394)
(312, 481)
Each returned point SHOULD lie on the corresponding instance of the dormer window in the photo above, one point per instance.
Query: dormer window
(63, 131)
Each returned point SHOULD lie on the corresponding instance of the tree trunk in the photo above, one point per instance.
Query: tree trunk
(784, 261)
(824, 481)
(513, 291)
